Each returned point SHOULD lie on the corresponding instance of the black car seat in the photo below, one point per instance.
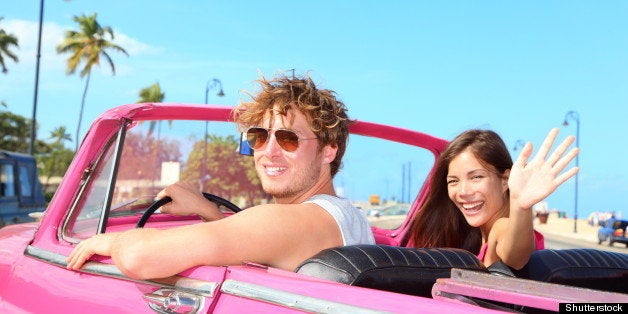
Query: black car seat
(586, 268)
(390, 268)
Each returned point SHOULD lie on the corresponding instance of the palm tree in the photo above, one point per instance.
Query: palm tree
(58, 154)
(6, 41)
(87, 45)
(60, 134)
(152, 93)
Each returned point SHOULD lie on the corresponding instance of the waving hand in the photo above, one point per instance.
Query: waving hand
(531, 182)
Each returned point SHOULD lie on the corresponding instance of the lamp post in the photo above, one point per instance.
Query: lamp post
(211, 84)
(573, 115)
(31, 149)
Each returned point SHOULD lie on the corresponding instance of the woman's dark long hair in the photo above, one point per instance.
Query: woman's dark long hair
(439, 223)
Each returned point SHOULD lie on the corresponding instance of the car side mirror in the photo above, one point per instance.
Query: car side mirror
(244, 148)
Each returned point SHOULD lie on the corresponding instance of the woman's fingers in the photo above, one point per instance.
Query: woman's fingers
(566, 175)
(564, 161)
(547, 145)
(533, 181)
(560, 150)
(522, 159)
(557, 160)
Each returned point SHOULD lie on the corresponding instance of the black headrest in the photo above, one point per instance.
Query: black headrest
(586, 268)
(397, 269)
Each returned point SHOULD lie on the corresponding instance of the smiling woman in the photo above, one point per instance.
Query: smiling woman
(487, 204)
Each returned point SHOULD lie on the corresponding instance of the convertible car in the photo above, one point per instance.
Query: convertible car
(133, 151)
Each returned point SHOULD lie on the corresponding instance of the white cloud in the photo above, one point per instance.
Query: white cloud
(27, 33)
(133, 46)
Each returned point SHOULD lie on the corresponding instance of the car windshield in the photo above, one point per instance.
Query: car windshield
(135, 205)
(376, 175)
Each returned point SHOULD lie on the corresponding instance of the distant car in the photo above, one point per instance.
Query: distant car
(21, 193)
(133, 151)
(613, 230)
(395, 210)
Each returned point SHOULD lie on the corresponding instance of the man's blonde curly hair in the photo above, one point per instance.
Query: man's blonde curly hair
(326, 115)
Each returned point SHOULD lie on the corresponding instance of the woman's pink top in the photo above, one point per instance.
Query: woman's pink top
(539, 244)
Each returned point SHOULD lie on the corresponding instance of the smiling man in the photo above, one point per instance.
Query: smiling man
(298, 134)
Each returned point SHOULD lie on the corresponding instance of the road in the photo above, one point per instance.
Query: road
(586, 238)
(559, 242)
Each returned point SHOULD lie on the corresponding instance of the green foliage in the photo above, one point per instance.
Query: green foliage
(143, 155)
(56, 161)
(152, 93)
(222, 170)
(48, 196)
(88, 45)
(6, 42)
(53, 158)
(14, 132)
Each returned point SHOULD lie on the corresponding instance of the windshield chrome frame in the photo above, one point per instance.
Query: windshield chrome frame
(104, 214)
(119, 137)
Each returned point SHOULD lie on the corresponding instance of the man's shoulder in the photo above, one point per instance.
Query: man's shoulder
(327, 197)
(327, 203)
(281, 210)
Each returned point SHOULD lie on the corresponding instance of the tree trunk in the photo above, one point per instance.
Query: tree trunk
(78, 128)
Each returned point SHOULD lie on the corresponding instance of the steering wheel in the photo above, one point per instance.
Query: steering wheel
(219, 201)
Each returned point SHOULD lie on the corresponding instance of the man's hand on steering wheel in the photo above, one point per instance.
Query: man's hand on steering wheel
(217, 200)
(187, 200)
(186, 195)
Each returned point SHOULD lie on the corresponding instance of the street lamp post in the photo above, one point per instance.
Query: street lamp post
(33, 134)
(211, 84)
(573, 115)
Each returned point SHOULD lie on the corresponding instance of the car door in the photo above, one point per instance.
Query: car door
(41, 284)
(39, 281)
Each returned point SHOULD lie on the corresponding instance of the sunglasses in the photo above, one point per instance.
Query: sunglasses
(257, 137)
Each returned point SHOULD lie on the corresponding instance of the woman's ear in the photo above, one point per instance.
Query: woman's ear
(505, 177)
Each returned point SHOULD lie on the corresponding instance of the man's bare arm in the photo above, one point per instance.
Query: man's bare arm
(280, 236)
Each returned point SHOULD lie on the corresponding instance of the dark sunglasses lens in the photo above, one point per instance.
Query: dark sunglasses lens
(288, 140)
(256, 137)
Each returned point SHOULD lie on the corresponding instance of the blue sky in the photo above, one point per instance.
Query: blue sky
(516, 67)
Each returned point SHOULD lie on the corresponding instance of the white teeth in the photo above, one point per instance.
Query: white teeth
(275, 170)
(470, 206)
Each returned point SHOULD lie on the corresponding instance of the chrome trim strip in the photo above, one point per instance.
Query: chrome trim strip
(289, 299)
(104, 214)
(179, 283)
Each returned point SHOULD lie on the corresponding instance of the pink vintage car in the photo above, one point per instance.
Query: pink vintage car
(133, 151)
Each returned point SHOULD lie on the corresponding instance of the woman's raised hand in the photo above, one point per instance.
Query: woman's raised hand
(531, 182)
